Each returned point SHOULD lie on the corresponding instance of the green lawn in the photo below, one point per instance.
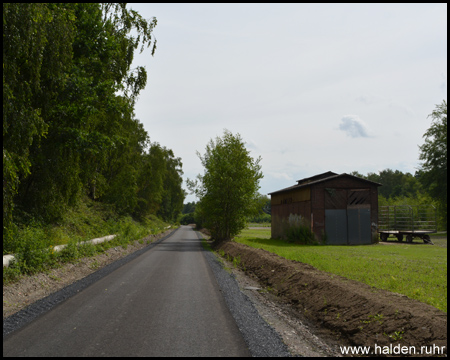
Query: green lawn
(416, 270)
(266, 224)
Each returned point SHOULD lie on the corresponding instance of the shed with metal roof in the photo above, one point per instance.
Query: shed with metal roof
(338, 208)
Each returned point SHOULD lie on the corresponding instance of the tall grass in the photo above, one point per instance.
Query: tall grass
(297, 230)
(416, 270)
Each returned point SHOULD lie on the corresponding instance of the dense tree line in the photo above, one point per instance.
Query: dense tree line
(394, 183)
(400, 188)
(69, 129)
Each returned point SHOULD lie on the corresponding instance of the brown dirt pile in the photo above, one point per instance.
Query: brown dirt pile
(363, 315)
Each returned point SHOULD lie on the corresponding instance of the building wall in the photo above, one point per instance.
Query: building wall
(296, 202)
(292, 196)
(311, 202)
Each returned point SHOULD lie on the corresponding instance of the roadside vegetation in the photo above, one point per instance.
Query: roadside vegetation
(33, 245)
(261, 218)
(263, 224)
(416, 270)
(77, 164)
(228, 189)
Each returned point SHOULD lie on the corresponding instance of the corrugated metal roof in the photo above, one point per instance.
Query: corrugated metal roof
(320, 178)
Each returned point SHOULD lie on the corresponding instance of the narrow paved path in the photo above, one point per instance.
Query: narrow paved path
(166, 302)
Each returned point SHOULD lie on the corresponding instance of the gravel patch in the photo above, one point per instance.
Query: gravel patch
(261, 338)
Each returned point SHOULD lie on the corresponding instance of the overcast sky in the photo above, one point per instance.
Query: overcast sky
(310, 87)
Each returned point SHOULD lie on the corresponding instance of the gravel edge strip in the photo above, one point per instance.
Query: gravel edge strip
(262, 340)
(40, 307)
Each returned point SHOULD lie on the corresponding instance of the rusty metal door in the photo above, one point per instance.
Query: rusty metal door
(347, 216)
(358, 226)
(336, 226)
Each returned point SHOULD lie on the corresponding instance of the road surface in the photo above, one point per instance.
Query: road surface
(165, 302)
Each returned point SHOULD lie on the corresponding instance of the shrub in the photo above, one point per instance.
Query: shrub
(32, 250)
(298, 231)
(70, 252)
(187, 219)
(261, 218)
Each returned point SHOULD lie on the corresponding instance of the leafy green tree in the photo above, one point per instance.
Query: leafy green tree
(37, 53)
(262, 210)
(68, 100)
(159, 184)
(357, 174)
(173, 194)
(228, 190)
(433, 153)
(69, 128)
(188, 208)
(151, 181)
(186, 219)
(394, 183)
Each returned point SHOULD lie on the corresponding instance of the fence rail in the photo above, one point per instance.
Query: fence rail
(421, 218)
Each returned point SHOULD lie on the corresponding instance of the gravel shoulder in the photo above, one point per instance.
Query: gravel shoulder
(347, 311)
(300, 336)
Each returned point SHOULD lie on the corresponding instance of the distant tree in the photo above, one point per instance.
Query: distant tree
(159, 180)
(262, 210)
(263, 205)
(267, 208)
(188, 208)
(228, 190)
(187, 219)
(433, 171)
(395, 183)
(173, 195)
(357, 174)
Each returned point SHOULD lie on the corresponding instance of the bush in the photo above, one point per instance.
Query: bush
(299, 231)
(198, 216)
(187, 219)
(261, 218)
(300, 234)
(32, 250)
(70, 252)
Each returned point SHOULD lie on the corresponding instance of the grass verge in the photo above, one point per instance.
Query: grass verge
(416, 270)
(263, 224)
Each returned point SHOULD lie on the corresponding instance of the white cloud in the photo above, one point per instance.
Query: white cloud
(280, 175)
(353, 126)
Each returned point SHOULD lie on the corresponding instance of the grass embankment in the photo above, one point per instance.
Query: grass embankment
(32, 244)
(416, 270)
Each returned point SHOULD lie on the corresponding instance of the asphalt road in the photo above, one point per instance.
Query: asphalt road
(166, 302)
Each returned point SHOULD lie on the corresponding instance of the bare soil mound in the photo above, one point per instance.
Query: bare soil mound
(365, 316)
